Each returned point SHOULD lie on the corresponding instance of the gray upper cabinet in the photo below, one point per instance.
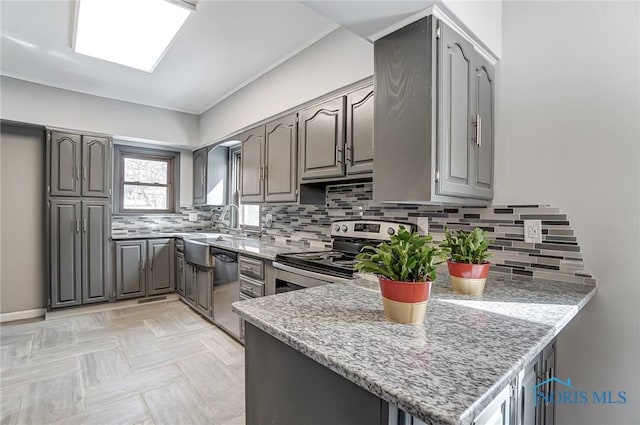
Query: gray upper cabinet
(161, 273)
(321, 137)
(280, 169)
(96, 227)
(65, 151)
(200, 176)
(65, 253)
(80, 165)
(482, 102)
(434, 114)
(217, 175)
(359, 142)
(130, 268)
(96, 166)
(454, 88)
(252, 175)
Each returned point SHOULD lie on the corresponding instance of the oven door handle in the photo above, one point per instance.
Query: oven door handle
(324, 277)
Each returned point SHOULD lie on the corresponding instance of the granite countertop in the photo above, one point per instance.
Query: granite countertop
(443, 371)
(243, 245)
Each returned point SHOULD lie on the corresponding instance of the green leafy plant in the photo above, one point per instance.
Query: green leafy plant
(467, 247)
(407, 257)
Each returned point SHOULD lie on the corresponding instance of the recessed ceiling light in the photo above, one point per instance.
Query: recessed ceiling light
(134, 33)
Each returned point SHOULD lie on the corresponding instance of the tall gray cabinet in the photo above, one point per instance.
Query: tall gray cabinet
(434, 116)
(78, 219)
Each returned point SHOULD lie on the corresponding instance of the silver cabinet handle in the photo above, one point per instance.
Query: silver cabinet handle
(77, 225)
(479, 131)
(84, 225)
(349, 154)
(265, 172)
(339, 156)
(84, 172)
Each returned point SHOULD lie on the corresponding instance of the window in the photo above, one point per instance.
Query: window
(249, 214)
(147, 180)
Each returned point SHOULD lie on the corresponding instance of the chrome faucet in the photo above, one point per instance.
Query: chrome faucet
(227, 221)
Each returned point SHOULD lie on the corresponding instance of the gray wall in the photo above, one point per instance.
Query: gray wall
(568, 96)
(339, 59)
(22, 268)
(38, 104)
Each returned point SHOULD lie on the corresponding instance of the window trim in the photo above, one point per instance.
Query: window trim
(173, 172)
(235, 169)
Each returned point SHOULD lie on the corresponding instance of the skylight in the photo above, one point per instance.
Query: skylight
(134, 33)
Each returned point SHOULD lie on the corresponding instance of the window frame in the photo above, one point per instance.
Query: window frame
(235, 169)
(173, 178)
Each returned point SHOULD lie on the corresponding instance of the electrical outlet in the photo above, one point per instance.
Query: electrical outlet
(268, 220)
(193, 216)
(423, 226)
(533, 231)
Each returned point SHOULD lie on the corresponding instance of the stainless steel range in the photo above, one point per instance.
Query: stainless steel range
(307, 269)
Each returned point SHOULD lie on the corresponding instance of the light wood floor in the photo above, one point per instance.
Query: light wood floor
(151, 364)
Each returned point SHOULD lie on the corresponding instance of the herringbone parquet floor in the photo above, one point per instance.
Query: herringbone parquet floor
(151, 364)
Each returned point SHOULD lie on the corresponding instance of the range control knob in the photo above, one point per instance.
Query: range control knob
(391, 231)
(336, 228)
(344, 228)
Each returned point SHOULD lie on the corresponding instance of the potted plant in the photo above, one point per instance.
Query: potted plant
(468, 265)
(406, 266)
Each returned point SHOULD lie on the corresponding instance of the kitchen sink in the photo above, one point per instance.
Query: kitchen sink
(196, 252)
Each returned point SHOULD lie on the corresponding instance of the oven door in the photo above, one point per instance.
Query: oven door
(290, 278)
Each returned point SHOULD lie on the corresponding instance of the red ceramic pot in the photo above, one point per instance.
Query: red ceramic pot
(404, 302)
(468, 279)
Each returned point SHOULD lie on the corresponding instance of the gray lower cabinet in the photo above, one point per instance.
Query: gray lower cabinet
(190, 284)
(200, 176)
(548, 411)
(434, 113)
(321, 138)
(536, 389)
(359, 140)
(144, 267)
(180, 273)
(96, 216)
(65, 253)
(161, 271)
(79, 252)
(130, 268)
(203, 286)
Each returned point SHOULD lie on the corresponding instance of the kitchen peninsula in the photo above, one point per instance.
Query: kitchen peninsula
(341, 361)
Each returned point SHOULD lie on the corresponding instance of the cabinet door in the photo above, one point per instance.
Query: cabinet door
(252, 158)
(65, 151)
(359, 144)
(482, 120)
(498, 412)
(204, 282)
(180, 273)
(530, 403)
(96, 166)
(454, 118)
(130, 269)
(549, 366)
(281, 160)
(190, 284)
(200, 176)
(321, 135)
(65, 278)
(96, 228)
(161, 275)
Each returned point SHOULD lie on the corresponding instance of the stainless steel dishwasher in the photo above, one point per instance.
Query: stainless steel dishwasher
(226, 290)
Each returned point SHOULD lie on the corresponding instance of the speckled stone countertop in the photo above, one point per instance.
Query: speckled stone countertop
(443, 371)
(250, 246)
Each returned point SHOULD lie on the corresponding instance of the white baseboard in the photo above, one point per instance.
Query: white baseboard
(21, 315)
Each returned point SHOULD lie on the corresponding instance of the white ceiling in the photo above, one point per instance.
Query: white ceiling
(221, 47)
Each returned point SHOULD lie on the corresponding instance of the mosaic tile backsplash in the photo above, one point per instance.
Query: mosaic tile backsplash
(558, 257)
